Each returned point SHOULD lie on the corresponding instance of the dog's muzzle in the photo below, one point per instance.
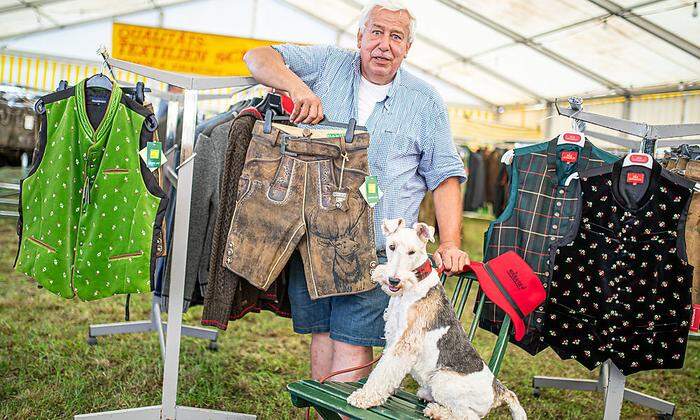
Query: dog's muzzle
(394, 284)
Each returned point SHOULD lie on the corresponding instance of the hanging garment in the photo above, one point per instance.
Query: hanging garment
(475, 193)
(692, 233)
(303, 192)
(620, 285)
(502, 188)
(228, 296)
(540, 209)
(91, 210)
(208, 165)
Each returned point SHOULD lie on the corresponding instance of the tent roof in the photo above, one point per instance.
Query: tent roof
(499, 52)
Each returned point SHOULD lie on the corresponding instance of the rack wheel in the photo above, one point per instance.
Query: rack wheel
(213, 346)
(92, 341)
(536, 392)
(664, 416)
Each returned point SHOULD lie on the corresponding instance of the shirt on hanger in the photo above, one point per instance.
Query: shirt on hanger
(368, 96)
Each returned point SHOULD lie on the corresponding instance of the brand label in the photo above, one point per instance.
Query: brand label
(639, 158)
(569, 156)
(635, 178)
(515, 279)
(572, 137)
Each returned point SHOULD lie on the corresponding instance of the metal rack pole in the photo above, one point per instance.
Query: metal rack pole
(155, 322)
(168, 409)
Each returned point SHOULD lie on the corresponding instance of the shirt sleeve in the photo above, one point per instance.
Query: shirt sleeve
(307, 62)
(439, 159)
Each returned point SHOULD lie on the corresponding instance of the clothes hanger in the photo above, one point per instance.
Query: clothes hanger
(273, 109)
(638, 159)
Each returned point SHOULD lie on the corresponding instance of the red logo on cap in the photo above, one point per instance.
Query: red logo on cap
(639, 158)
(572, 137)
(635, 178)
(569, 156)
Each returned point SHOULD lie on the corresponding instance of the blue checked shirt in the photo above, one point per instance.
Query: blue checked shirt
(411, 148)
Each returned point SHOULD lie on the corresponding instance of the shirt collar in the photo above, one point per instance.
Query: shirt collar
(581, 164)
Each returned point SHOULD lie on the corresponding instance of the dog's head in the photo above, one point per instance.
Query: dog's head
(406, 251)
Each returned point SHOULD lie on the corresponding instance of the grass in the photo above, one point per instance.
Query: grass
(47, 371)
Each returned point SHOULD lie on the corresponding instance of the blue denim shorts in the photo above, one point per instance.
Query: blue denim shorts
(353, 319)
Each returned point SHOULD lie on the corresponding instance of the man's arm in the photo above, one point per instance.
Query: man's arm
(448, 211)
(267, 67)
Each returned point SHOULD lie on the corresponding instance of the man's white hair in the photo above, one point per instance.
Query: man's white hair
(394, 6)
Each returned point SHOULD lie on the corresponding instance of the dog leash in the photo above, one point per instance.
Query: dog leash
(338, 372)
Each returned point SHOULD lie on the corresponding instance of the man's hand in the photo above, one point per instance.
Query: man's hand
(451, 258)
(307, 106)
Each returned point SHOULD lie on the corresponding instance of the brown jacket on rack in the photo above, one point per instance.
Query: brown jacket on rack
(229, 296)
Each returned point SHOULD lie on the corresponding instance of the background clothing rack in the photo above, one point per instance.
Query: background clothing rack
(168, 409)
(610, 380)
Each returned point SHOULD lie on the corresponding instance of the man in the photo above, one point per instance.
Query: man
(411, 151)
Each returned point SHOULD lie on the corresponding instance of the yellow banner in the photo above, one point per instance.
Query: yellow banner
(183, 51)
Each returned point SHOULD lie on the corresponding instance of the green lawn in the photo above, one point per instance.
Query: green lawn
(48, 371)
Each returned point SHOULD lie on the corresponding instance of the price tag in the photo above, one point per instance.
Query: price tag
(153, 155)
(370, 191)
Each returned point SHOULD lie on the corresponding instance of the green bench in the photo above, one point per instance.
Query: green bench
(328, 398)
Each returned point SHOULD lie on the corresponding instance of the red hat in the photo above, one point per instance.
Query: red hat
(512, 285)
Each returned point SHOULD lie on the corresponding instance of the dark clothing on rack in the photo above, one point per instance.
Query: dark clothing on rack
(228, 296)
(540, 209)
(500, 197)
(208, 165)
(475, 194)
(620, 285)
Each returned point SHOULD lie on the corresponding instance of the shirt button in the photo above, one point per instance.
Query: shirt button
(561, 191)
(551, 238)
(556, 214)
(554, 226)
(558, 203)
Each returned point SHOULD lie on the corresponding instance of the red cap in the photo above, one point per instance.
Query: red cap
(512, 285)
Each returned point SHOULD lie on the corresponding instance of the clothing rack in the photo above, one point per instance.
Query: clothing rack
(610, 380)
(155, 323)
(168, 409)
(635, 144)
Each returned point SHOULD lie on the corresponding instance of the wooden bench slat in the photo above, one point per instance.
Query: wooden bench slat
(333, 394)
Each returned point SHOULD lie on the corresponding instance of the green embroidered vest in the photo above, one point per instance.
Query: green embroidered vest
(90, 210)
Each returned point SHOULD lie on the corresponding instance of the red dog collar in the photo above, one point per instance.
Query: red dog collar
(424, 270)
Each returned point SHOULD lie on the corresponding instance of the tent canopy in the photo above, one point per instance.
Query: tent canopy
(499, 52)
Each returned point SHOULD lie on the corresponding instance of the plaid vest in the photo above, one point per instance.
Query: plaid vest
(541, 209)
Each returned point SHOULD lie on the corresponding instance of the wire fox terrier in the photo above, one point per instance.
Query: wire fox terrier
(425, 338)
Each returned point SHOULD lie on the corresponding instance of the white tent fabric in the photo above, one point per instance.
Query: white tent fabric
(498, 52)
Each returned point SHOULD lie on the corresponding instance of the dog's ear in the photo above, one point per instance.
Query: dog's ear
(390, 226)
(425, 233)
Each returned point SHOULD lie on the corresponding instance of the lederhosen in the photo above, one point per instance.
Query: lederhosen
(620, 286)
(540, 208)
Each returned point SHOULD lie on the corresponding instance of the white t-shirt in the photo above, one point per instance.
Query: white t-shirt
(369, 95)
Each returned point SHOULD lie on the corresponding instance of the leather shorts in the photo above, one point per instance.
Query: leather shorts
(301, 191)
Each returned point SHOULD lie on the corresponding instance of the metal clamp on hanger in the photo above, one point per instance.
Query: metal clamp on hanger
(283, 147)
(39, 106)
(151, 123)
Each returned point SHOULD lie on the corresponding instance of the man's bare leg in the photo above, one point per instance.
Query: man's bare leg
(321, 355)
(348, 356)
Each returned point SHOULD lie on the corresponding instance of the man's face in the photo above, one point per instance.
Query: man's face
(383, 44)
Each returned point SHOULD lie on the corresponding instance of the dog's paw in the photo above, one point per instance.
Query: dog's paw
(424, 394)
(437, 412)
(363, 399)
